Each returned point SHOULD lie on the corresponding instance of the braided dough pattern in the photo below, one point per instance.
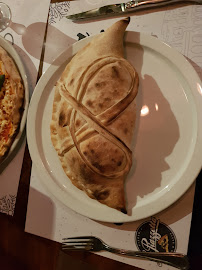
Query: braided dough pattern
(99, 122)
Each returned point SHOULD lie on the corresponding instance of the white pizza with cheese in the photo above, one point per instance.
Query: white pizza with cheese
(11, 102)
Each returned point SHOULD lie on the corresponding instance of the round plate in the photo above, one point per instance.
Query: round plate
(16, 58)
(167, 138)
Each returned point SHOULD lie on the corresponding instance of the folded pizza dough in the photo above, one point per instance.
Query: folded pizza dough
(93, 117)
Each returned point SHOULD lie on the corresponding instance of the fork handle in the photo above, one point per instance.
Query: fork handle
(177, 260)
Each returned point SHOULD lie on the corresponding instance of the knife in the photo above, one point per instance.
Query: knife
(124, 8)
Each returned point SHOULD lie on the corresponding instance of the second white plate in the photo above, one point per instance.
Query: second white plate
(167, 140)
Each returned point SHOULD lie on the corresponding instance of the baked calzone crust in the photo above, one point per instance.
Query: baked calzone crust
(93, 117)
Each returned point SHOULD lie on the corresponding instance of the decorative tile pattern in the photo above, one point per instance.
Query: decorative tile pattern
(7, 204)
(57, 11)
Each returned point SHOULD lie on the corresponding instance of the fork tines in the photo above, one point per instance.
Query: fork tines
(77, 243)
(79, 237)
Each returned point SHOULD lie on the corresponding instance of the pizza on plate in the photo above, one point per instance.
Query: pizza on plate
(93, 117)
(11, 102)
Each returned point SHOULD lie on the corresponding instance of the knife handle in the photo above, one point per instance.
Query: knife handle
(143, 4)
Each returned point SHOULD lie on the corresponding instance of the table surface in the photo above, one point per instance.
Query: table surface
(20, 250)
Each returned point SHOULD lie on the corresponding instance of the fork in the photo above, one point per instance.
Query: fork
(91, 243)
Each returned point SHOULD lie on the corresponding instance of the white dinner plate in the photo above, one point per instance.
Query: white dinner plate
(7, 46)
(167, 144)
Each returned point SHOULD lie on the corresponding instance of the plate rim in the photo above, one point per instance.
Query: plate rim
(196, 153)
(9, 48)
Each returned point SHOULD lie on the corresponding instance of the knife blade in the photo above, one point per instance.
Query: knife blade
(98, 12)
(124, 8)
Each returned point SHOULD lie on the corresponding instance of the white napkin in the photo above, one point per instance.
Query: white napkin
(46, 216)
(26, 33)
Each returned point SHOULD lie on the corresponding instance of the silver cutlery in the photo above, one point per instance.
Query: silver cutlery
(90, 243)
(125, 8)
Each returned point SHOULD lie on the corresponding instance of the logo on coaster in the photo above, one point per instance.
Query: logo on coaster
(155, 236)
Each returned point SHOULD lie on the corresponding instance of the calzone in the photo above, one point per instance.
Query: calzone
(93, 117)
